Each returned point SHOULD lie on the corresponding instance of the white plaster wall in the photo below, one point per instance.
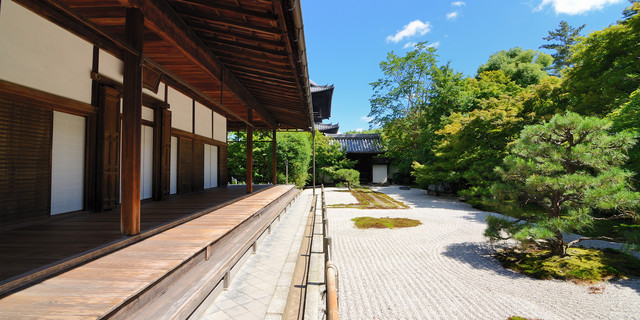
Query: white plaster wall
(159, 95)
(38, 54)
(147, 114)
(67, 166)
(380, 173)
(181, 108)
(110, 66)
(204, 121)
(173, 181)
(219, 127)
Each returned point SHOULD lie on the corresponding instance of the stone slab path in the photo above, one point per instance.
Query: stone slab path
(443, 270)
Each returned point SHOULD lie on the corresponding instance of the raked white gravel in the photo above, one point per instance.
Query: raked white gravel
(442, 269)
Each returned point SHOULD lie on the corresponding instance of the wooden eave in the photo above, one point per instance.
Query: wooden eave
(232, 55)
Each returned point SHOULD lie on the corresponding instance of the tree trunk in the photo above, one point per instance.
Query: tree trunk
(557, 245)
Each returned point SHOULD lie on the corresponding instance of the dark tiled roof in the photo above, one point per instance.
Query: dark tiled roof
(327, 127)
(359, 143)
(321, 97)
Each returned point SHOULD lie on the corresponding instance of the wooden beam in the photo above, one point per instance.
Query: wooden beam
(222, 7)
(165, 22)
(274, 145)
(250, 155)
(132, 122)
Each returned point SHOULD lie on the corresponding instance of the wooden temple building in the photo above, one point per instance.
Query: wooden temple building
(113, 148)
(321, 96)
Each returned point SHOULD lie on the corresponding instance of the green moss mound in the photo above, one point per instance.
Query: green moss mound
(579, 264)
(381, 223)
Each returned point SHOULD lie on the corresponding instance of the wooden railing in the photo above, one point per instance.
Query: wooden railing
(330, 270)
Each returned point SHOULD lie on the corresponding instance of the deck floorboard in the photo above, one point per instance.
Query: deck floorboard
(97, 287)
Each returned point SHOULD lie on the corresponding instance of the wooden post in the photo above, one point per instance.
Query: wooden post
(250, 155)
(274, 145)
(132, 122)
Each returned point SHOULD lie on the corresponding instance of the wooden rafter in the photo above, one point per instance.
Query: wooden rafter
(164, 21)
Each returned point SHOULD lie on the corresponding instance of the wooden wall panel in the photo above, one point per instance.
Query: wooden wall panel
(185, 165)
(198, 166)
(108, 169)
(25, 162)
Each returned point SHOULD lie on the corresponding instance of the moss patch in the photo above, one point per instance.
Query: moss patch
(369, 199)
(579, 264)
(381, 223)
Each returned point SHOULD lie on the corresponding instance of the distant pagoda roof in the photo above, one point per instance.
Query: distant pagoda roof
(359, 142)
(321, 97)
(327, 127)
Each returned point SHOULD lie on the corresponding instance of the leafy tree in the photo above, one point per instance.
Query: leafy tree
(605, 68)
(568, 166)
(564, 37)
(350, 176)
(296, 148)
(524, 67)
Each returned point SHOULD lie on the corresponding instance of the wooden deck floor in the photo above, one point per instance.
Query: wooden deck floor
(99, 287)
(57, 244)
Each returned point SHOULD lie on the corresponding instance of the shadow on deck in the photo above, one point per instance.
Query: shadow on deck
(38, 250)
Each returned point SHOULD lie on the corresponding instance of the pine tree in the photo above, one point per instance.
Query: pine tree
(568, 166)
(565, 36)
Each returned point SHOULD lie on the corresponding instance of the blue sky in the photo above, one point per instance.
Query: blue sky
(347, 39)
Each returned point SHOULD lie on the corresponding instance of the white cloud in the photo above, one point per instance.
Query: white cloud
(434, 45)
(409, 45)
(359, 130)
(366, 119)
(452, 15)
(458, 4)
(416, 27)
(572, 7)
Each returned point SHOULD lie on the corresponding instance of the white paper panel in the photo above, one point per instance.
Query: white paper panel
(181, 108)
(67, 167)
(210, 166)
(207, 166)
(146, 163)
(174, 166)
(219, 127)
(38, 54)
(204, 121)
(214, 166)
(159, 95)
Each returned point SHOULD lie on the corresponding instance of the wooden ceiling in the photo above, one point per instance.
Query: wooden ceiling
(235, 55)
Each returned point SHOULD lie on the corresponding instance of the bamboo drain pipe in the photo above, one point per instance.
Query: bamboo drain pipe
(331, 272)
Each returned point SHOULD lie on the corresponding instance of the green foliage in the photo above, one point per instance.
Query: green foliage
(524, 67)
(383, 223)
(329, 158)
(606, 69)
(627, 118)
(565, 36)
(568, 166)
(294, 146)
(578, 264)
(350, 176)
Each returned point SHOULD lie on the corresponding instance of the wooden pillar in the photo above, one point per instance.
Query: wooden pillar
(274, 145)
(132, 121)
(250, 155)
(162, 154)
